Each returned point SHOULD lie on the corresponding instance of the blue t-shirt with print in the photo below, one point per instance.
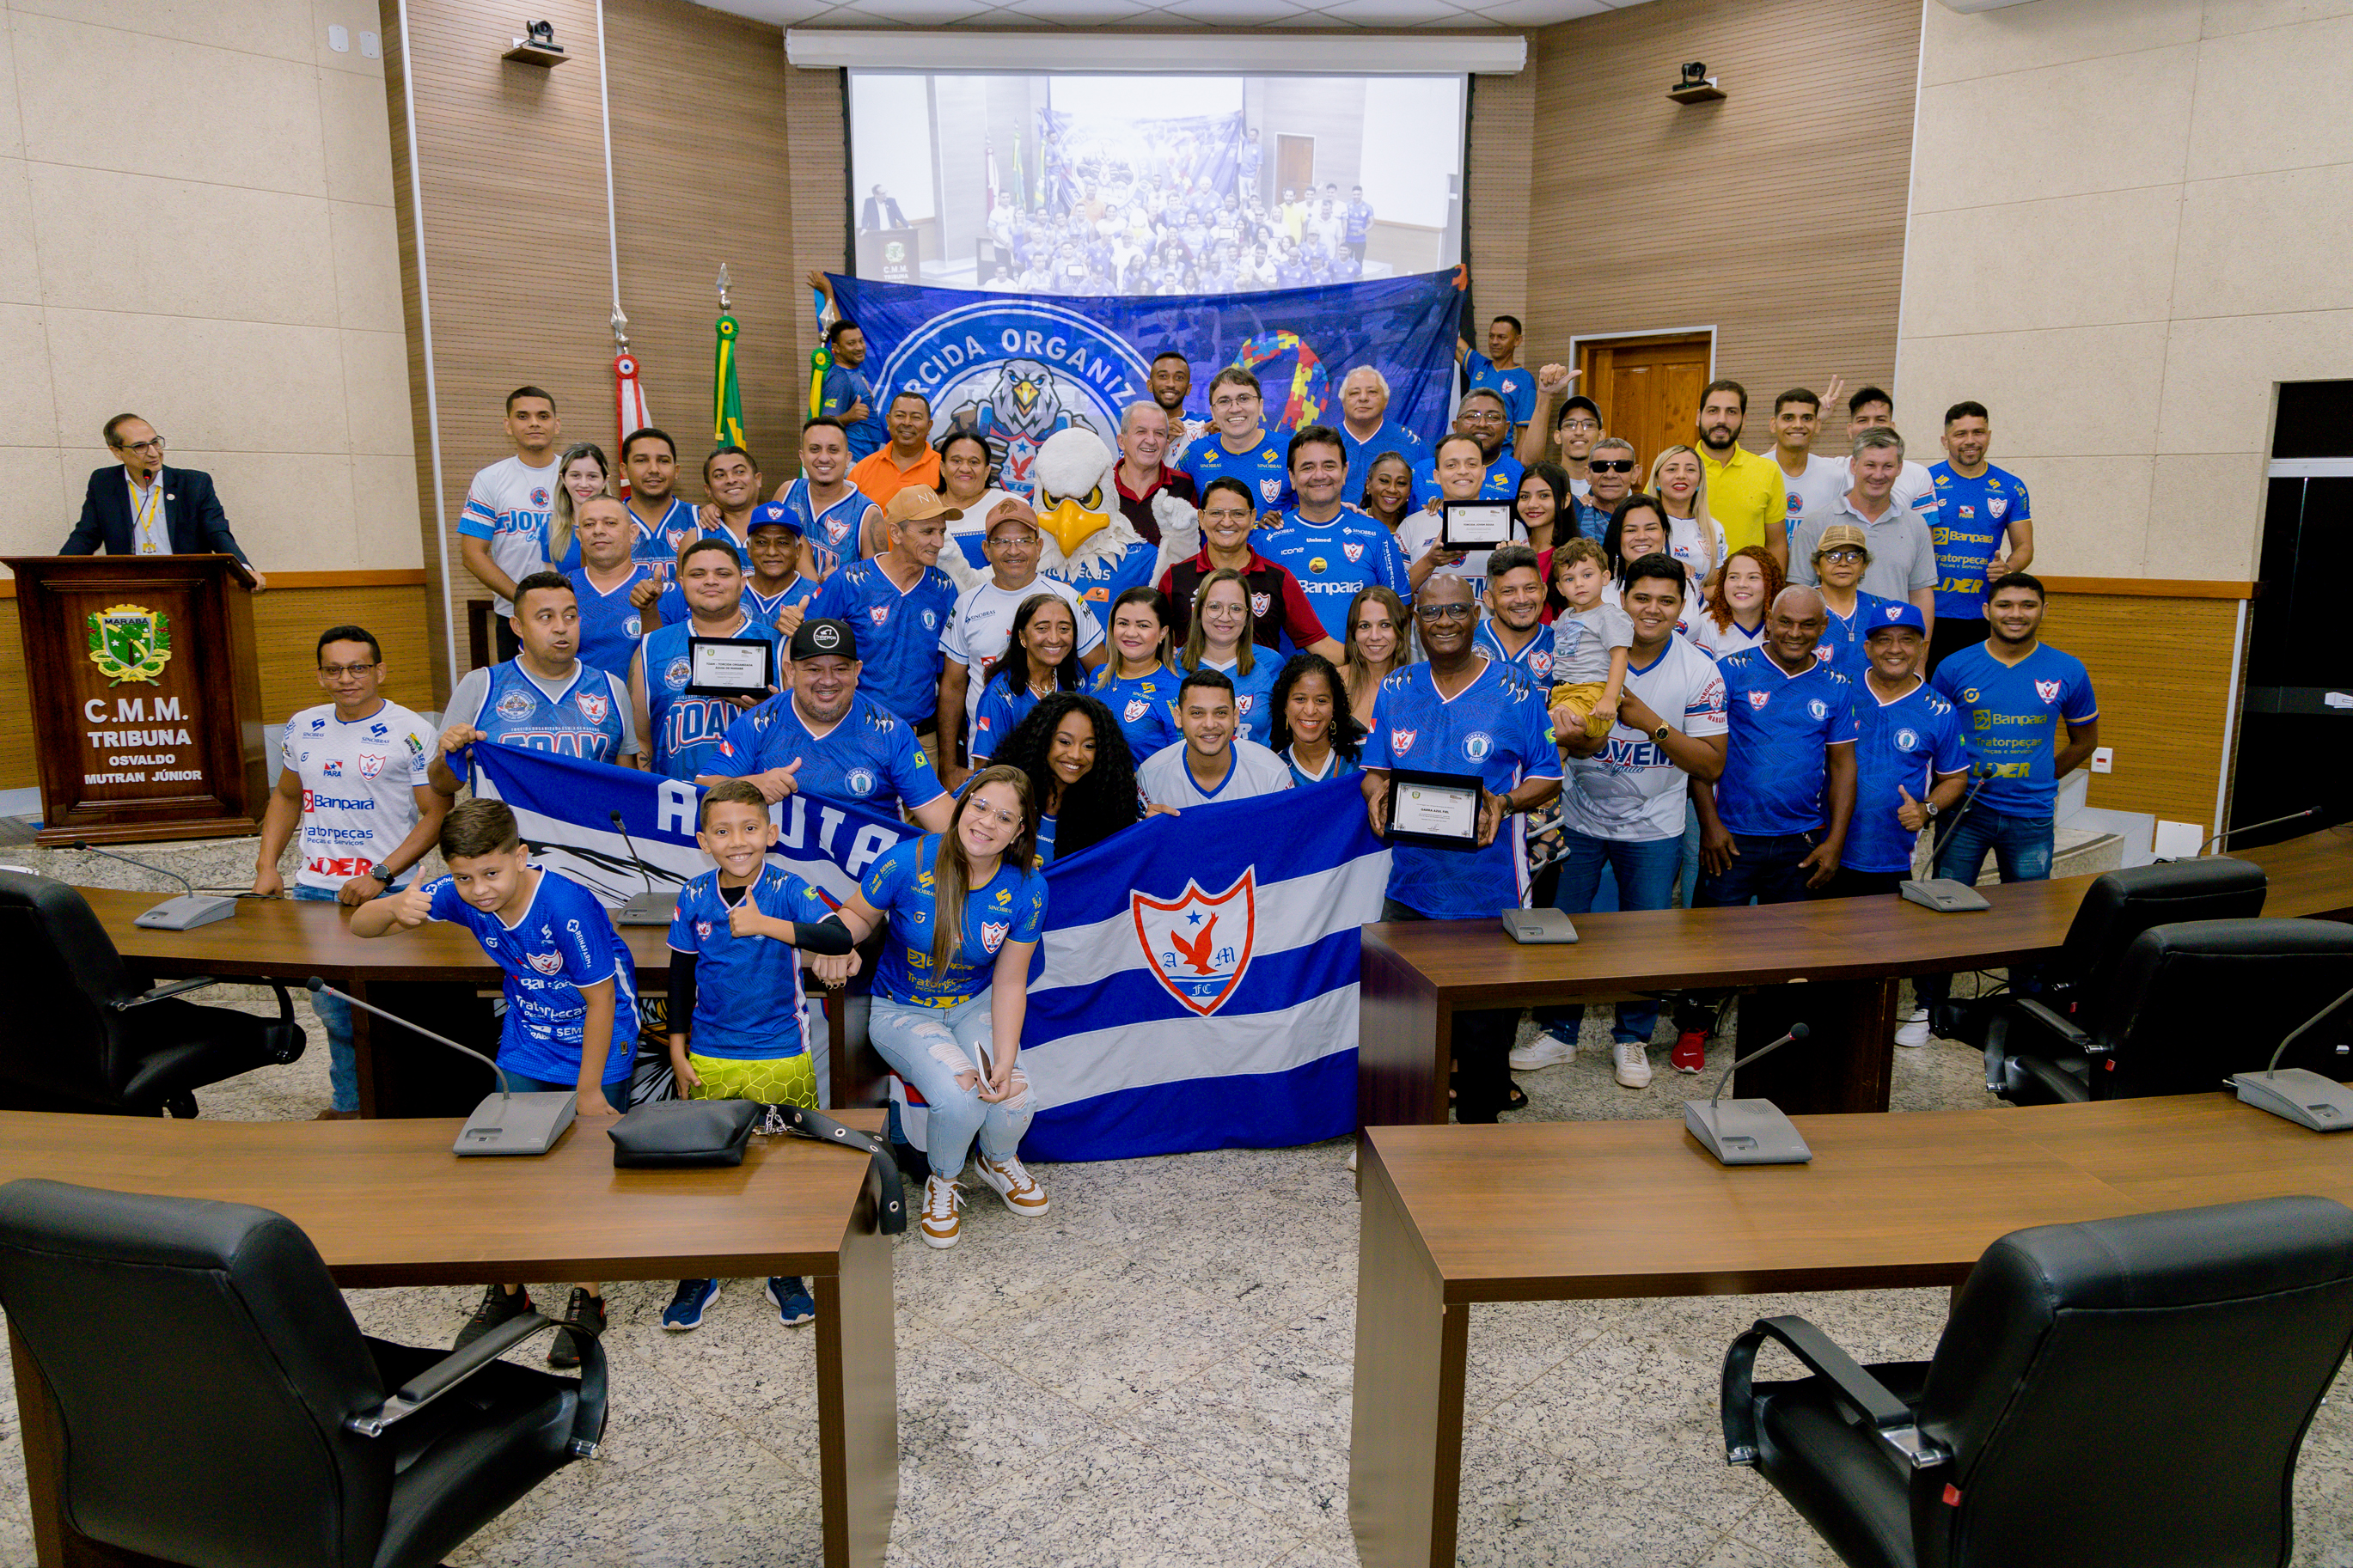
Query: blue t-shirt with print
(1144, 705)
(1492, 728)
(1010, 906)
(1900, 746)
(871, 757)
(747, 989)
(1264, 469)
(898, 632)
(1517, 386)
(686, 730)
(562, 941)
(1971, 517)
(1334, 562)
(609, 625)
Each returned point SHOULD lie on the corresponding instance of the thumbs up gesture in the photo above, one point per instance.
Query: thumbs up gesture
(1910, 814)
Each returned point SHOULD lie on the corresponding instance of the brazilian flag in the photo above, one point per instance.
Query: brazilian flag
(726, 396)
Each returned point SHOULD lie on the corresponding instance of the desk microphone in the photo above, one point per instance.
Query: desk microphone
(2299, 1095)
(506, 1123)
(648, 907)
(1949, 895)
(2228, 832)
(185, 912)
(1747, 1131)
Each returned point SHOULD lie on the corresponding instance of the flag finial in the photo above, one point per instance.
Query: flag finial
(724, 303)
(620, 331)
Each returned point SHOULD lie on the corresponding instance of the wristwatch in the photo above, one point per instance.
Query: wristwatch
(1659, 734)
(1932, 808)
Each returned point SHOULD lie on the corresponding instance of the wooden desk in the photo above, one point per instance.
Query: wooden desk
(794, 1207)
(1850, 952)
(1567, 1211)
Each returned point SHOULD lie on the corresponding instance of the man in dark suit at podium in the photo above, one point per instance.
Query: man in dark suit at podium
(146, 508)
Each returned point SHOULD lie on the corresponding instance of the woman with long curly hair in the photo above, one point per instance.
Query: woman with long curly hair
(1081, 774)
(1313, 730)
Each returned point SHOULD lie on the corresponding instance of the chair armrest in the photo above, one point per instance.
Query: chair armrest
(448, 1372)
(1892, 1420)
(160, 992)
(2076, 1039)
(2037, 1016)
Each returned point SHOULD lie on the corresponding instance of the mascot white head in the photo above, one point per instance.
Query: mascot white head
(1084, 532)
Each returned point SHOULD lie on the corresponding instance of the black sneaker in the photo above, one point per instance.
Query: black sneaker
(497, 1307)
(565, 1351)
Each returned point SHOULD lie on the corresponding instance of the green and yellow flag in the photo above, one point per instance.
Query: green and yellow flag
(726, 396)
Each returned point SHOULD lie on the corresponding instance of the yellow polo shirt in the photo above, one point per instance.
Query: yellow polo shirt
(1747, 495)
(880, 477)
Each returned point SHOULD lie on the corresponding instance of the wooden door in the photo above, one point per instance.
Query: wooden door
(1647, 388)
(1294, 167)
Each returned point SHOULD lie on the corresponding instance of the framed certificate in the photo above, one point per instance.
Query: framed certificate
(1435, 811)
(730, 666)
(1475, 524)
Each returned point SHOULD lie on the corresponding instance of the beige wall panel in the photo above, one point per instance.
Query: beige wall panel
(383, 506)
(2089, 125)
(20, 263)
(2068, 393)
(2218, 375)
(353, 127)
(2069, 261)
(2193, 499)
(29, 414)
(2223, 21)
(2233, 260)
(2279, 99)
(2091, 514)
(1959, 48)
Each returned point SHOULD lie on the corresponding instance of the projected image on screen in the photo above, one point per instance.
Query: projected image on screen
(1127, 185)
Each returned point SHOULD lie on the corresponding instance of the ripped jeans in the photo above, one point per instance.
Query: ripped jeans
(927, 1048)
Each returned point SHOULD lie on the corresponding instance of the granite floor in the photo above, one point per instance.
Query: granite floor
(1158, 1373)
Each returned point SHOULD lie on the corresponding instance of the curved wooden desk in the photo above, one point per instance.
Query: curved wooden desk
(1849, 952)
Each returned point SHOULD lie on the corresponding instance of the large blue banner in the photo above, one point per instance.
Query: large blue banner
(1019, 367)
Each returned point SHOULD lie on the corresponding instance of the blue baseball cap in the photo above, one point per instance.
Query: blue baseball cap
(773, 515)
(1887, 617)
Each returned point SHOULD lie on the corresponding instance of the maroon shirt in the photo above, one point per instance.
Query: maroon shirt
(1138, 507)
(1278, 603)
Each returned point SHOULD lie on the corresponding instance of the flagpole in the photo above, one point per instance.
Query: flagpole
(605, 119)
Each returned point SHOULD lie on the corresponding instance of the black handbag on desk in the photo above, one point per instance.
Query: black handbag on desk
(683, 1134)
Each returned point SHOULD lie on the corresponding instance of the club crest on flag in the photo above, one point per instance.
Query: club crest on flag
(2047, 690)
(1199, 944)
(593, 706)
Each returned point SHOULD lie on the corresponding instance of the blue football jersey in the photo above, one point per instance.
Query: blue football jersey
(1263, 469)
(1254, 696)
(1517, 386)
(1535, 660)
(1144, 708)
(1900, 747)
(843, 388)
(898, 632)
(1391, 437)
(686, 731)
(1001, 708)
(1010, 906)
(1781, 728)
(609, 625)
(1491, 728)
(768, 606)
(1971, 517)
(589, 718)
(871, 757)
(1502, 483)
(830, 535)
(1841, 646)
(562, 941)
(2012, 713)
(1100, 583)
(1334, 562)
(658, 544)
(747, 990)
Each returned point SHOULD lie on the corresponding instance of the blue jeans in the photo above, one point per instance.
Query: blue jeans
(1645, 869)
(2022, 853)
(335, 1018)
(1767, 870)
(927, 1048)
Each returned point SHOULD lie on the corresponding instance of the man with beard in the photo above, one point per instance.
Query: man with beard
(1745, 490)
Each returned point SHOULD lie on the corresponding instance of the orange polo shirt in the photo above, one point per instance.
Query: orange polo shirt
(880, 477)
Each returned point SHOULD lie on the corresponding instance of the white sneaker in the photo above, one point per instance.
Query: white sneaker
(1633, 1065)
(1016, 1185)
(1914, 1031)
(1546, 1050)
(941, 1198)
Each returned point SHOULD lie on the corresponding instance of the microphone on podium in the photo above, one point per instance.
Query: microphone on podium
(506, 1123)
(187, 912)
(2299, 1095)
(1747, 1131)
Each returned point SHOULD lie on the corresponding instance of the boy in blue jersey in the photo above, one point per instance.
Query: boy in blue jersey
(665, 521)
(1238, 446)
(1911, 762)
(738, 1029)
(829, 739)
(1483, 417)
(543, 699)
(2013, 691)
(683, 730)
(899, 601)
(1499, 370)
(1978, 507)
(571, 993)
(1772, 828)
(605, 583)
(1335, 550)
(1462, 713)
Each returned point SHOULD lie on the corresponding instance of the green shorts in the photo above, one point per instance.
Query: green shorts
(770, 1080)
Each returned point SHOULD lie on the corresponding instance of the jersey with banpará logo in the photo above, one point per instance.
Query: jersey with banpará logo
(1334, 560)
(684, 729)
(2012, 713)
(1494, 728)
(359, 783)
(1971, 518)
(1264, 469)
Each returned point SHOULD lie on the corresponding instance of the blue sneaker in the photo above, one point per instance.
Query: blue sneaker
(687, 1304)
(794, 1303)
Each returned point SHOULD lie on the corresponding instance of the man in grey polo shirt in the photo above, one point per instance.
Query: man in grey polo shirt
(1903, 554)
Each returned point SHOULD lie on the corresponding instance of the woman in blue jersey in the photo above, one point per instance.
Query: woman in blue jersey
(1041, 658)
(1314, 731)
(1081, 774)
(951, 989)
(1223, 637)
(1137, 683)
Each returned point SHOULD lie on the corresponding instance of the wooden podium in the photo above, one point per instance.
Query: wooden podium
(146, 697)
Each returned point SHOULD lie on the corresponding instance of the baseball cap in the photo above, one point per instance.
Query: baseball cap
(913, 503)
(1889, 617)
(773, 514)
(1011, 509)
(1579, 400)
(1843, 536)
(820, 639)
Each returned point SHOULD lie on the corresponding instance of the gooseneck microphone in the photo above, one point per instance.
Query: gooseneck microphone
(1949, 895)
(2234, 832)
(648, 907)
(2299, 1095)
(190, 910)
(1747, 1131)
(506, 1123)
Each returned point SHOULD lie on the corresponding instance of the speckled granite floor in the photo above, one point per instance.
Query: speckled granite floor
(1158, 1373)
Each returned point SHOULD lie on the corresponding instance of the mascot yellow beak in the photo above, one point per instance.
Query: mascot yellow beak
(1072, 522)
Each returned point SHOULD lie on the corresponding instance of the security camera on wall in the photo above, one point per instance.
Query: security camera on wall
(1694, 85)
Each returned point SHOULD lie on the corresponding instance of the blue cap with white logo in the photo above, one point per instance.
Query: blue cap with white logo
(1887, 617)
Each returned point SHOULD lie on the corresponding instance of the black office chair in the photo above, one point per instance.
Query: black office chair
(2124, 1393)
(2116, 907)
(2192, 1004)
(270, 1434)
(79, 1035)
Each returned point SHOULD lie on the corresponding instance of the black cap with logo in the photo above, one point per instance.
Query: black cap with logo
(823, 639)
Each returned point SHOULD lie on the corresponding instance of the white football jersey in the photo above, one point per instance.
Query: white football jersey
(358, 784)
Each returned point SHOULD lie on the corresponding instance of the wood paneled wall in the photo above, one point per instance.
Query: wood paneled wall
(1775, 215)
(1497, 174)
